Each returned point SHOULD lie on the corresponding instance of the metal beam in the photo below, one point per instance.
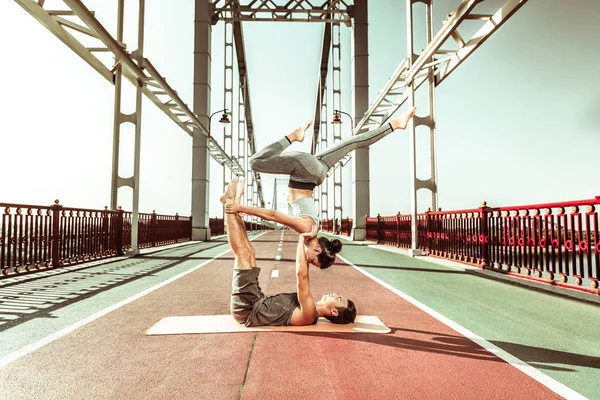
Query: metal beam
(153, 85)
(396, 92)
(339, 11)
(322, 84)
(240, 50)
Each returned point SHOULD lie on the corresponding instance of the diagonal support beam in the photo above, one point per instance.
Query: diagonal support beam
(153, 85)
(444, 62)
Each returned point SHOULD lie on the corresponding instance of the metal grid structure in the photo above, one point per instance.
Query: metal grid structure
(433, 65)
(338, 11)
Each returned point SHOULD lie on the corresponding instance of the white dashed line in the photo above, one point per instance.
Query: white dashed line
(275, 273)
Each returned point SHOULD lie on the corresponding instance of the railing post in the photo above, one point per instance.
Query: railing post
(56, 208)
(105, 232)
(177, 228)
(483, 237)
(152, 228)
(428, 227)
(379, 228)
(119, 231)
(398, 229)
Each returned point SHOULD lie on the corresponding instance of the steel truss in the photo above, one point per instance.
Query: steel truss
(443, 61)
(141, 73)
(245, 114)
(282, 11)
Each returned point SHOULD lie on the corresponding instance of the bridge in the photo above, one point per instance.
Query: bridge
(483, 300)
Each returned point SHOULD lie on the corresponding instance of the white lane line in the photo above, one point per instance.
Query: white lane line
(4, 361)
(527, 369)
(277, 257)
(275, 273)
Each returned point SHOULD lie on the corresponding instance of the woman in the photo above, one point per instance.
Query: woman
(307, 171)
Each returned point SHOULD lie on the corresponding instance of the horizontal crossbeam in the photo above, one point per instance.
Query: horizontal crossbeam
(282, 11)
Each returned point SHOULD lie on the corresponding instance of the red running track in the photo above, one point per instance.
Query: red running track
(111, 358)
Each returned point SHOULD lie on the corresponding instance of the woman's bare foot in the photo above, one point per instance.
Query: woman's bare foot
(402, 121)
(229, 194)
(298, 134)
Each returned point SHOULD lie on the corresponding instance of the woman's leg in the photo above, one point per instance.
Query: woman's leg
(301, 167)
(339, 150)
(335, 153)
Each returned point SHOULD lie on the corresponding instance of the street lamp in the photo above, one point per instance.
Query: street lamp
(337, 119)
(224, 118)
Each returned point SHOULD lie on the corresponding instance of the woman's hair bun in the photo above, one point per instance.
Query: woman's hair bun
(335, 246)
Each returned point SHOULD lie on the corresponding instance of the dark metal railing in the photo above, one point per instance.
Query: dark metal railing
(540, 239)
(35, 237)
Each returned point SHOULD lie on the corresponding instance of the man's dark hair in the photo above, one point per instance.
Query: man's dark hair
(329, 248)
(345, 315)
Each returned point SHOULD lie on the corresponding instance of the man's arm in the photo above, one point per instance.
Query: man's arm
(299, 224)
(305, 314)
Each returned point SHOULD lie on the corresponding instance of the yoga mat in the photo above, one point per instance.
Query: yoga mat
(225, 323)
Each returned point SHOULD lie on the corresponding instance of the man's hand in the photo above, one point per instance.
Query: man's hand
(309, 235)
(231, 208)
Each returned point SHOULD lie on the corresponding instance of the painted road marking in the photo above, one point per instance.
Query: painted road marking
(527, 369)
(275, 273)
(277, 257)
(30, 348)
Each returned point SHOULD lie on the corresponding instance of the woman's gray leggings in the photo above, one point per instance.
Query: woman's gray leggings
(304, 167)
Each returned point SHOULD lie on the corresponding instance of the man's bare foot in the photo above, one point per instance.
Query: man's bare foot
(298, 134)
(402, 121)
(229, 194)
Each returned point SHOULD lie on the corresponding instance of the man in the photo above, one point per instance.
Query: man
(250, 307)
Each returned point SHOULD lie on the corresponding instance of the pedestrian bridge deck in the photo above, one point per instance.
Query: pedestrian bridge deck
(78, 332)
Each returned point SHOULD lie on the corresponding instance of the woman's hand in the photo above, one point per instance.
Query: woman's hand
(313, 232)
(231, 208)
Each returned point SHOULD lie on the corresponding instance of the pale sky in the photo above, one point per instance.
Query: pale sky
(517, 123)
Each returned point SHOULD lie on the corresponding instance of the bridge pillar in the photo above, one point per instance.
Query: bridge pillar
(201, 106)
(428, 121)
(360, 104)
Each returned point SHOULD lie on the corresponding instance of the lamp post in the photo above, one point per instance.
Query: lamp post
(224, 118)
(337, 119)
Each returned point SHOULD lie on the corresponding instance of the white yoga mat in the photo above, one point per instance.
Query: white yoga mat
(226, 323)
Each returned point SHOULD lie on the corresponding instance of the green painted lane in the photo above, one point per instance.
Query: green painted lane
(557, 335)
(41, 305)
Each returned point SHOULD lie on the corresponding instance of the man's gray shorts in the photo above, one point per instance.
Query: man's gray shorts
(245, 292)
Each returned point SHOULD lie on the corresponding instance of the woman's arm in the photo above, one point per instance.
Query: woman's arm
(305, 314)
(299, 224)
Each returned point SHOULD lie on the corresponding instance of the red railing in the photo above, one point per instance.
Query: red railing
(541, 239)
(337, 228)
(33, 237)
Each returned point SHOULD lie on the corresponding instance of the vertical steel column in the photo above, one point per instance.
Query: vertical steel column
(138, 55)
(360, 104)
(429, 121)
(136, 119)
(322, 145)
(242, 134)
(200, 151)
(228, 96)
(336, 86)
(117, 116)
